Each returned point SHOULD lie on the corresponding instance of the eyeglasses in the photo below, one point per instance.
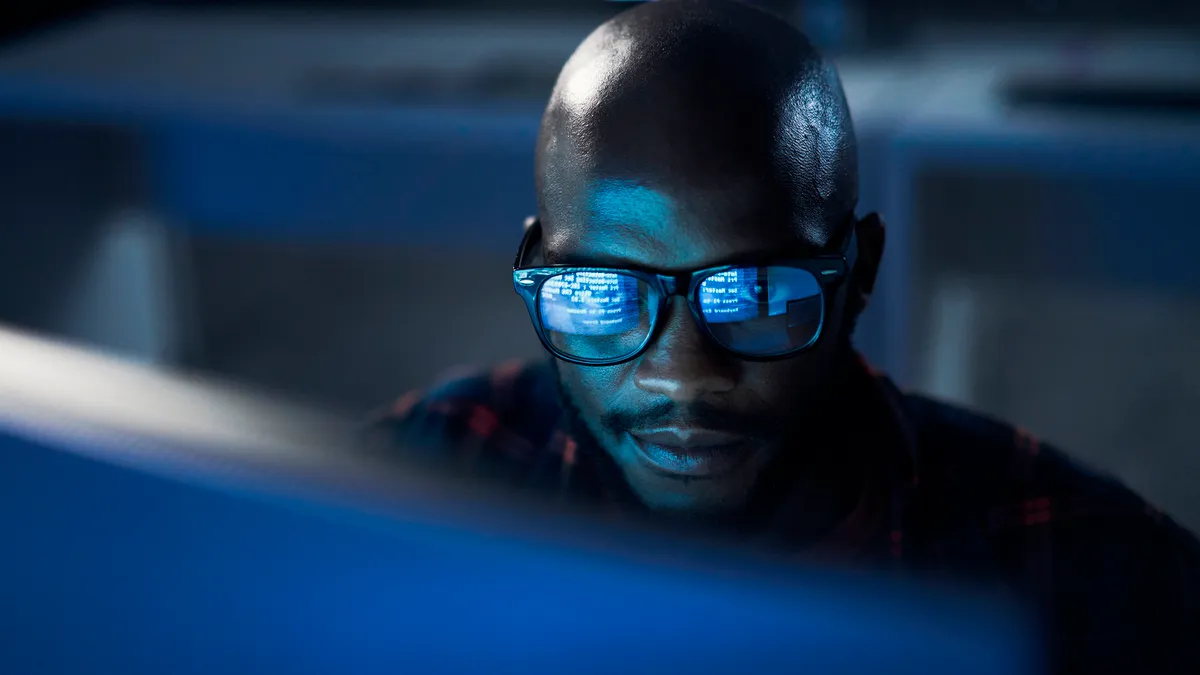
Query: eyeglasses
(602, 316)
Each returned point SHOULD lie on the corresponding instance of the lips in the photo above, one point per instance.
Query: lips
(691, 452)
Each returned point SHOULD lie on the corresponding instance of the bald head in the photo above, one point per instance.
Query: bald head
(711, 114)
(682, 137)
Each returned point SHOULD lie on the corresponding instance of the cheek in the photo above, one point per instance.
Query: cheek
(593, 387)
(772, 384)
(780, 385)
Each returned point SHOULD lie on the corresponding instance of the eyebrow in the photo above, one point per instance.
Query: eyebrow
(634, 236)
(583, 260)
(796, 251)
(748, 260)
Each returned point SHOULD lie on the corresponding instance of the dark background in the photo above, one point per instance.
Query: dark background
(275, 192)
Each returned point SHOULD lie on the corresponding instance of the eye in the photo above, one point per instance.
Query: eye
(772, 290)
(778, 290)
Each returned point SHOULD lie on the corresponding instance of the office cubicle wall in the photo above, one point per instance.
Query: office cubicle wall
(80, 256)
(1053, 286)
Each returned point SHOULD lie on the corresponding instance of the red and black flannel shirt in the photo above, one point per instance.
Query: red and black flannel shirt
(955, 495)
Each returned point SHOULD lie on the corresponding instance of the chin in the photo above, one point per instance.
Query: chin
(688, 498)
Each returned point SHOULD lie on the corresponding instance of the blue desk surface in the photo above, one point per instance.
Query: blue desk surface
(114, 570)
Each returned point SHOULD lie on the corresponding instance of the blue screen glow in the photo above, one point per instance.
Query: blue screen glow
(730, 296)
(746, 293)
(590, 303)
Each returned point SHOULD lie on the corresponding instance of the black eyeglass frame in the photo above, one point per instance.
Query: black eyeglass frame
(830, 270)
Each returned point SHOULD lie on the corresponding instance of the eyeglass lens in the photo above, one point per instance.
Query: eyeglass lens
(754, 311)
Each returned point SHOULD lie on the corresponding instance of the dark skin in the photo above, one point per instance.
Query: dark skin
(683, 135)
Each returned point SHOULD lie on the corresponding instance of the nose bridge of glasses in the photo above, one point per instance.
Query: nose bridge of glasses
(678, 326)
(672, 285)
(675, 305)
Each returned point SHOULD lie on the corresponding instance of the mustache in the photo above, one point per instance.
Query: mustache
(702, 415)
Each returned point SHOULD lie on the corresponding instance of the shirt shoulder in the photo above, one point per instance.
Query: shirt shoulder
(1121, 575)
(1016, 477)
(501, 420)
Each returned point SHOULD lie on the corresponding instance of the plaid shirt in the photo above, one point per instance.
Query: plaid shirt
(955, 495)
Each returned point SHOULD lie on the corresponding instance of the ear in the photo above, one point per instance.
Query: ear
(872, 235)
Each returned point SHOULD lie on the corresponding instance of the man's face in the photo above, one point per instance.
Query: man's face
(691, 426)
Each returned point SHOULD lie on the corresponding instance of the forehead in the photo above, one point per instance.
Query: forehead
(677, 226)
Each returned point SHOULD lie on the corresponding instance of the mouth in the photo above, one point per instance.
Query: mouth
(690, 452)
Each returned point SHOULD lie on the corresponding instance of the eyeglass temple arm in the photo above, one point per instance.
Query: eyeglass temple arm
(533, 231)
(850, 248)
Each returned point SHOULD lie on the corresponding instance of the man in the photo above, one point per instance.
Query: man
(696, 270)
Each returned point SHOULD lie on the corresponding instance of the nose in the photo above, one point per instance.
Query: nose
(682, 364)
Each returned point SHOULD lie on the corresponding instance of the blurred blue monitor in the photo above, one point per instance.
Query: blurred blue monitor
(128, 553)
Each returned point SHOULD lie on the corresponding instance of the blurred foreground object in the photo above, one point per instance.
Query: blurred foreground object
(159, 525)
